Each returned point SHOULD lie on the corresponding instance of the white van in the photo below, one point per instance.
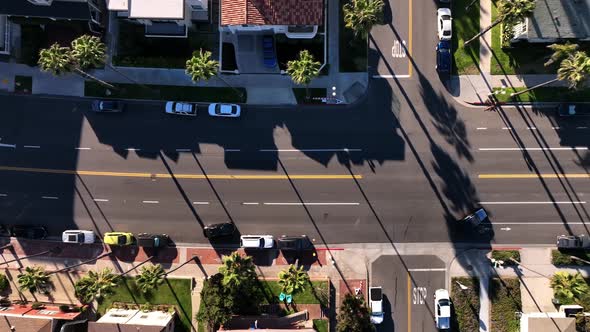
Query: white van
(256, 241)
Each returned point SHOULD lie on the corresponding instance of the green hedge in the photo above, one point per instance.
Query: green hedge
(544, 94)
(506, 301)
(167, 92)
(559, 258)
(320, 325)
(466, 304)
(506, 255)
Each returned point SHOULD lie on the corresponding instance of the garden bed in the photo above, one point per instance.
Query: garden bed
(506, 256)
(316, 292)
(167, 92)
(465, 26)
(134, 49)
(320, 325)
(466, 304)
(505, 303)
(288, 49)
(353, 51)
(559, 258)
(301, 95)
(544, 94)
(176, 292)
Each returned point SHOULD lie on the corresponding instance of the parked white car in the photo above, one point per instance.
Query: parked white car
(225, 110)
(174, 107)
(444, 24)
(376, 297)
(442, 309)
(257, 241)
(78, 236)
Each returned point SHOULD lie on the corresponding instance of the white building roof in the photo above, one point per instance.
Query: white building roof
(152, 318)
(157, 9)
(117, 316)
(118, 5)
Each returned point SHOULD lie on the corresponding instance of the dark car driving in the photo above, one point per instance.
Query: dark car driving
(107, 106)
(152, 240)
(225, 229)
(294, 243)
(443, 56)
(29, 231)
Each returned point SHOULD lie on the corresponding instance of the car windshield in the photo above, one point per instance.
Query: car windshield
(446, 33)
(444, 322)
(121, 239)
(446, 17)
(443, 302)
(218, 109)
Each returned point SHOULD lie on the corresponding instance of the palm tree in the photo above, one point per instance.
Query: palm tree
(201, 67)
(95, 285)
(56, 59)
(508, 11)
(237, 270)
(88, 52)
(150, 278)
(574, 70)
(303, 69)
(569, 287)
(361, 15)
(293, 279)
(560, 52)
(34, 279)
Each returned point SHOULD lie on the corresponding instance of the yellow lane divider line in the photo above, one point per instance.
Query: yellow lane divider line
(184, 176)
(535, 176)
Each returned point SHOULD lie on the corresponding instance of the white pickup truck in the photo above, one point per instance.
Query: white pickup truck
(178, 108)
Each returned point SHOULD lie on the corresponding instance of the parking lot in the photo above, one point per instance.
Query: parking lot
(408, 285)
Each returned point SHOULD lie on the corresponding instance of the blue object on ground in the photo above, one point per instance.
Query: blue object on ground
(282, 296)
(289, 298)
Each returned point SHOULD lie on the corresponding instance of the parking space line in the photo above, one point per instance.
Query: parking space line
(409, 303)
(427, 269)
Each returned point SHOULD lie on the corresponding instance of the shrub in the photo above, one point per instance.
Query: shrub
(506, 255)
(64, 308)
(37, 305)
(559, 258)
(4, 283)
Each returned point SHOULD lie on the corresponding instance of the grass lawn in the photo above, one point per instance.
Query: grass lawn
(134, 49)
(167, 92)
(546, 94)
(300, 95)
(315, 293)
(320, 325)
(465, 26)
(506, 301)
(352, 50)
(466, 304)
(174, 291)
(563, 258)
(506, 255)
(521, 59)
(23, 84)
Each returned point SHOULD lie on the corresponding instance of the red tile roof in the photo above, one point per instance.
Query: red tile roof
(272, 12)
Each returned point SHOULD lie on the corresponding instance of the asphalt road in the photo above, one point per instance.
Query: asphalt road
(400, 167)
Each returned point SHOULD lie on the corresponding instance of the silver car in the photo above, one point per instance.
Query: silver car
(78, 236)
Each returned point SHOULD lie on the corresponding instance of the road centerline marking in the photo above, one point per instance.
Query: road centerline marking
(410, 23)
(311, 203)
(535, 176)
(574, 148)
(187, 176)
(32, 146)
(150, 202)
(427, 269)
(101, 200)
(201, 203)
(533, 202)
(49, 197)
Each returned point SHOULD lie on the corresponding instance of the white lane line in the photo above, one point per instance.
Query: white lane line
(507, 128)
(540, 223)
(132, 149)
(3, 195)
(481, 128)
(79, 148)
(581, 127)
(101, 200)
(531, 128)
(183, 150)
(555, 127)
(7, 145)
(311, 150)
(250, 203)
(32, 146)
(575, 148)
(299, 203)
(201, 203)
(505, 228)
(49, 197)
(151, 202)
(391, 76)
(427, 270)
(538, 202)
(232, 150)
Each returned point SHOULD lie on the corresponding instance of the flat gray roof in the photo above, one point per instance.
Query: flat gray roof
(560, 19)
(58, 9)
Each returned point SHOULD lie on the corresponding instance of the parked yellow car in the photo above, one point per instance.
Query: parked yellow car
(118, 238)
